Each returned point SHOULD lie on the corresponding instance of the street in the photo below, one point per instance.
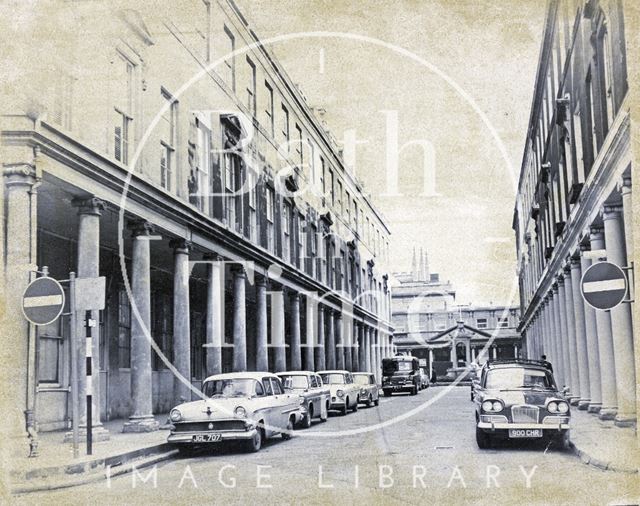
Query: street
(429, 458)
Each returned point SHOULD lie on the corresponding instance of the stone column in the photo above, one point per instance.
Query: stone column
(311, 329)
(347, 342)
(141, 419)
(354, 348)
(580, 332)
(320, 358)
(554, 332)
(339, 341)
(331, 341)
(576, 393)
(296, 357)
(89, 212)
(181, 321)
(277, 331)
(215, 308)
(239, 321)
(374, 354)
(17, 357)
(607, 367)
(593, 354)
(362, 349)
(262, 346)
(367, 348)
(564, 334)
(621, 324)
(454, 353)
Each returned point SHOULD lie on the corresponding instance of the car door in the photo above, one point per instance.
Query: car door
(314, 393)
(373, 387)
(269, 414)
(282, 402)
(325, 395)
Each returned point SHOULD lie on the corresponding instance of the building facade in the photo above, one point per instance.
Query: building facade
(573, 206)
(430, 325)
(167, 150)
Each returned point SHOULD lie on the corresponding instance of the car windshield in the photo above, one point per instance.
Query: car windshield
(361, 379)
(517, 377)
(392, 366)
(333, 379)
(245, 387)
(295, 381)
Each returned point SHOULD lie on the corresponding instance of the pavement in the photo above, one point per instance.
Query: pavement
(409, 450)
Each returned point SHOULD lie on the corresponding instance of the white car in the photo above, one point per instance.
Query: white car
(344, 392)
(247, 407)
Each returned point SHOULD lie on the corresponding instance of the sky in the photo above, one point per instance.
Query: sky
(458, 75)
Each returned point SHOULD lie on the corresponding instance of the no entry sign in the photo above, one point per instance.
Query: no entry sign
(604, 285)
(43, 301)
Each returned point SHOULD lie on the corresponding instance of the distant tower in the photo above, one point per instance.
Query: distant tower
(414, 266)
(426, 266)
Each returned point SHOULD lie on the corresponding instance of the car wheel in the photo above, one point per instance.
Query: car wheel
(376, 402)
(369, 401)
(414, 390)
(324, 416)
(563, 440)
(254, 444)
(483, 439)
(344, 409)
(306, 421)
(286, 435)
(355, 406)
(387, 393)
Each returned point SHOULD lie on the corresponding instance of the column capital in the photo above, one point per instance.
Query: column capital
(611, 212)
(238, 270)
(554, 289)
(180, 245)
(560, 279)
(295, 296)
(624, 185)
(596, 233)
(212, 256)
(575, 260)
(90, 205)
(141, 228)
(20, 174)
(261, 281)
(584, 247)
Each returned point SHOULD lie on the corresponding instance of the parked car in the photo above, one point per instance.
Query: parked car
(317, 397)
(519, 399)
(424, 378)
(247, 407)
(400, 374)
(344, 392)
(369, 393)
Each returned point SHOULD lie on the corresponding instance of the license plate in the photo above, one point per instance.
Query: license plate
(518, 433)
(207, 438)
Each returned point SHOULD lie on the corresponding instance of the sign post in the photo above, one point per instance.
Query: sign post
(604, 286)
(74, 364)
(89, 324)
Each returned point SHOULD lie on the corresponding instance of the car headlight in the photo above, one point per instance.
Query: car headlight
(301, 401)
(363, 391)
(340, 393)
(175, 415)
(552, 407)
(240, 412)
(492, 406)
(563, 407)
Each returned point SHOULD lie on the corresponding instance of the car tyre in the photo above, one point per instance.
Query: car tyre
(324, 417)
(254, 444)
(344, 409)
(483, 440)
(306, 421)
(563, 440)
(369, 401)
(286, 435)
(414, 390)
(376, 402)
(387, 393)
(186, 450)
(355, 406)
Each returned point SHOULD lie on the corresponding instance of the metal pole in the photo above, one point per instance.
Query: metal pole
(89, 323)
(74, 363)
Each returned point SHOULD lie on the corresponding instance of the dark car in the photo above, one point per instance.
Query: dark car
(400, 374)
(519, 399)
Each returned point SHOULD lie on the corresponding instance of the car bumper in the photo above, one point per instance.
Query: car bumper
(492, 426)
(232, 435)
(337, 403)
(398, 388)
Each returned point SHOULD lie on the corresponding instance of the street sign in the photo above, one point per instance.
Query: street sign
(604, 285)
(43, 301)
(90, 293)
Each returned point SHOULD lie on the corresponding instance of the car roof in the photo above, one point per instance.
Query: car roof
(295, 373)
(242, 375)
(336, 371)
(361, 373)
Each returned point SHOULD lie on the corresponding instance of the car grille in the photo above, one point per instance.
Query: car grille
(524, 414)
(220, 425)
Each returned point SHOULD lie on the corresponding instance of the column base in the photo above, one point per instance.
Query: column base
(141, 424)
(594, 407)
(583, 404)
(625, 420)
(573, 400)
(607, 413)
(98, 434)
